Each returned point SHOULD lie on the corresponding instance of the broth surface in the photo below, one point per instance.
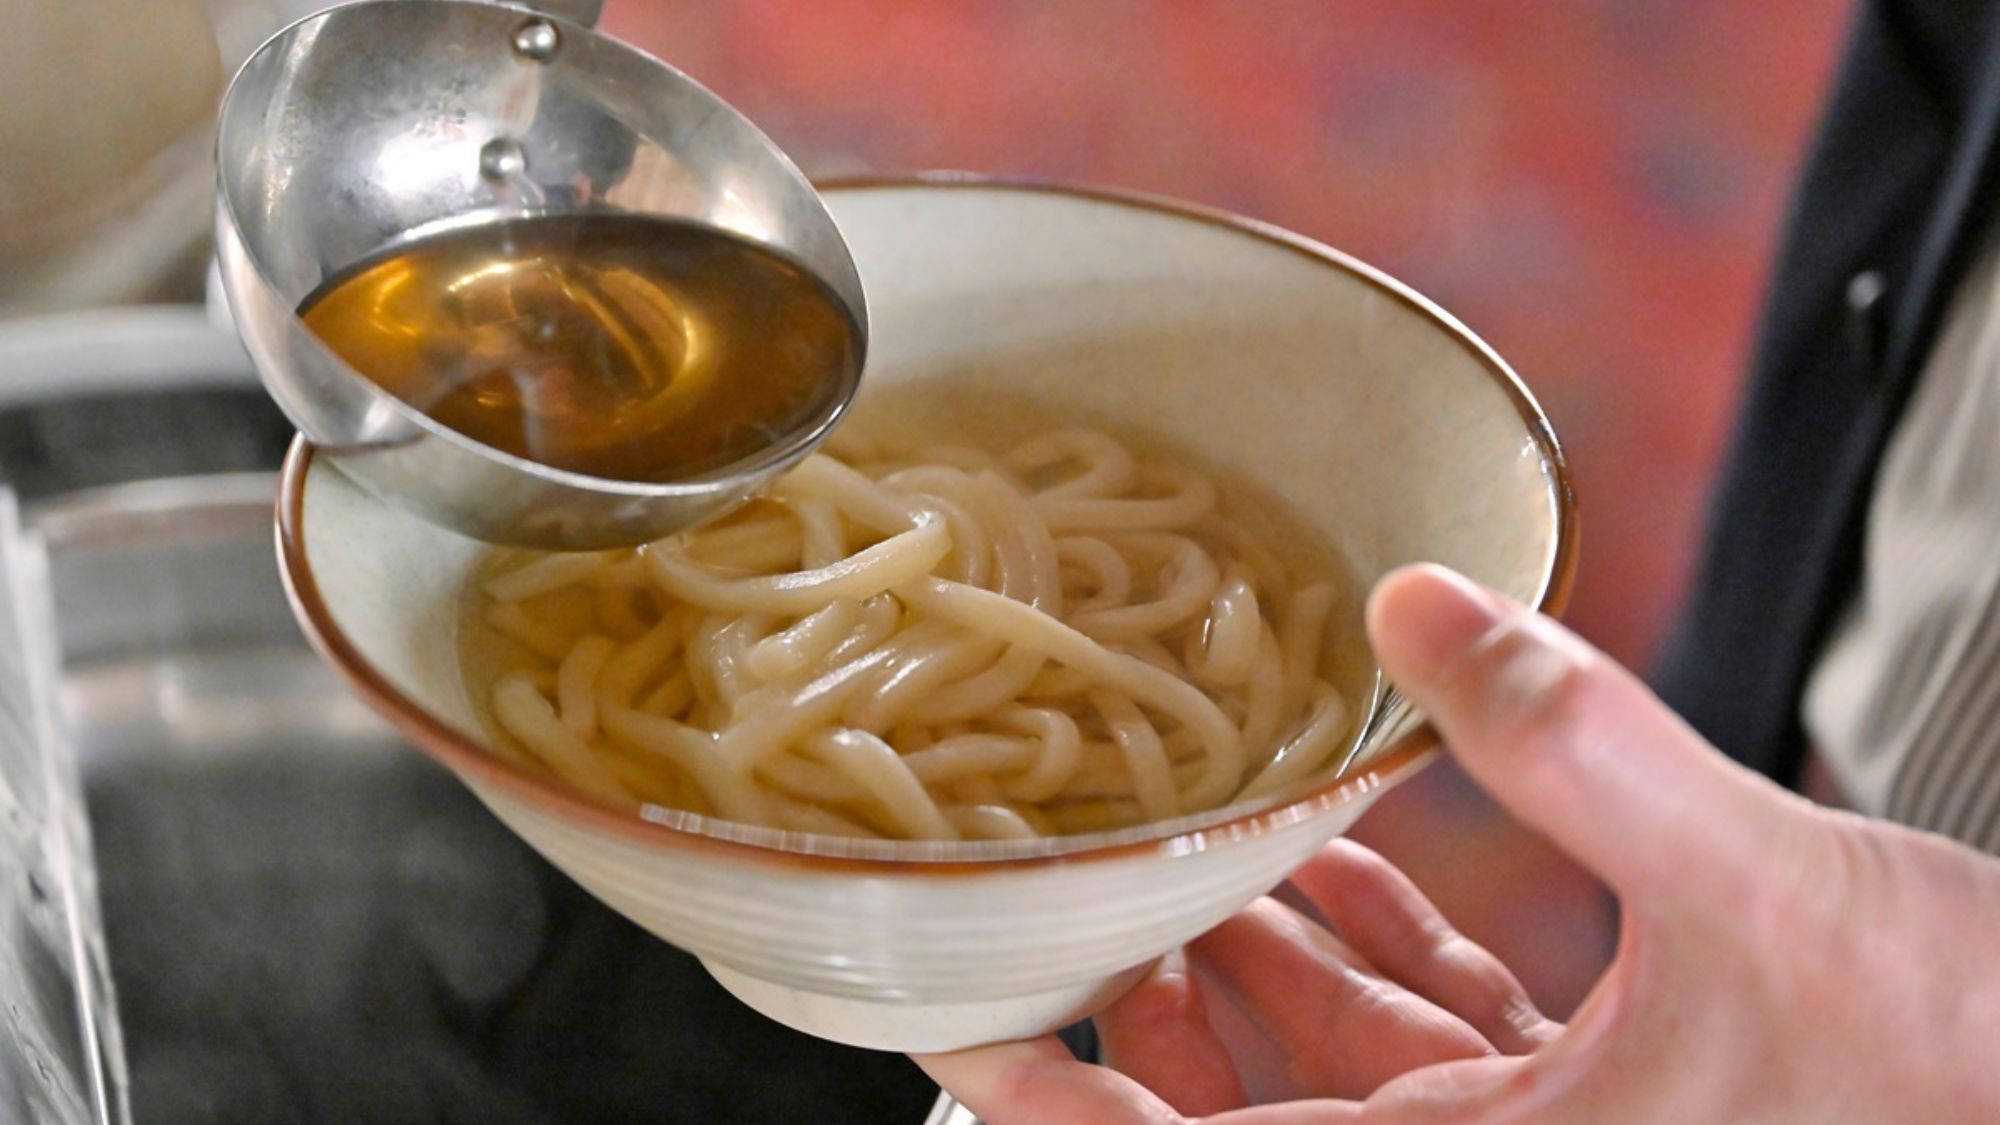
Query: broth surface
(580, 621)
(617, 346)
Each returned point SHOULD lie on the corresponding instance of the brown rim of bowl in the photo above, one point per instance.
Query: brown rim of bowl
(475, 762)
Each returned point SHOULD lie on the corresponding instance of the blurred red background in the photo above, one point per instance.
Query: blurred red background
(1593, 185)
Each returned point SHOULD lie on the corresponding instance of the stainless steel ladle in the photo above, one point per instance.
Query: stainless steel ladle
(384, 121)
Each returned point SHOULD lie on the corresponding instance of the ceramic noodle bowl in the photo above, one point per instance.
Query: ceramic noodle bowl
(1378, 420)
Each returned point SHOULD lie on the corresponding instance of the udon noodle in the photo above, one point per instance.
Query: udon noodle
(1063, 637)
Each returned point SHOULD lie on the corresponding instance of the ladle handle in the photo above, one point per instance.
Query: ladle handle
(584, 12)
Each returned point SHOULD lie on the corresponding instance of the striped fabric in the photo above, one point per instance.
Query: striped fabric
(1904, 703)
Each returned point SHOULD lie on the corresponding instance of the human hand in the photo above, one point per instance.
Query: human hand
(1778, 961)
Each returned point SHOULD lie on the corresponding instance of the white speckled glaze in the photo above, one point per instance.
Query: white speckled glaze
(1379, 420)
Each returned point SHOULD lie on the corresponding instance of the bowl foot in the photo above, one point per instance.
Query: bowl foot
(890, 1025)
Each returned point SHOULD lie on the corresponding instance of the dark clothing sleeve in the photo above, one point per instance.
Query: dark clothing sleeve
(1892, 196)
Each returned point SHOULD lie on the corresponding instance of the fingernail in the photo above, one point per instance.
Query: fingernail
(1422, 618)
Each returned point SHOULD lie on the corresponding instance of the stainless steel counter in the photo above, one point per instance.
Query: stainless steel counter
(307, 921)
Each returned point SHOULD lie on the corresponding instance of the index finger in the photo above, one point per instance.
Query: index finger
(1159, 1035)
(1379, 912)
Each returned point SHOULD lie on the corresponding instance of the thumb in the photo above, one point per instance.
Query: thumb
(1573, 745)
